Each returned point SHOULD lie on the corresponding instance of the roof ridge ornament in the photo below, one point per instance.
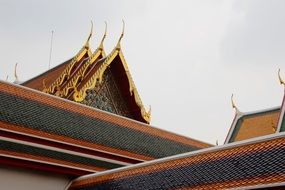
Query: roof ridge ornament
(104, 36)
(280, 79)
(90, 35)
(15, 74)
(7, 77)
(122, 35)
(234, 105)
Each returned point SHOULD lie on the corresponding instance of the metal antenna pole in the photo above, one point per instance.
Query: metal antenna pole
(50, 52)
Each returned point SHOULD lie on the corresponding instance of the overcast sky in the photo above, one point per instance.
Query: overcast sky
(186, 57)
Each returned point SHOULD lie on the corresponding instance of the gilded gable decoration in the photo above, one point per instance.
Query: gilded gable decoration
(92, 79)
(81, 93)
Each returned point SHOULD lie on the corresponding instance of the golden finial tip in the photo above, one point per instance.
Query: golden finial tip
(91, 32)
(104, 36)
(280, 78)
(123, 26)
(105, 33)
(123, 31)
(233, 104)
(15, 73)
(232, 100)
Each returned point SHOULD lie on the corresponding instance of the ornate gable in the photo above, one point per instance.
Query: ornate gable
(110, 87)
(100, 81)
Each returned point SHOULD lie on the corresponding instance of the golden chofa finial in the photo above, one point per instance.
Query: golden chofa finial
(105, 34)
(234, 105)
(122, 35)
(15, 74)
(280, 79)
(91, 32)
(123, 31)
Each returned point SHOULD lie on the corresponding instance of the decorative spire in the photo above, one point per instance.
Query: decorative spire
(280, 79)
(90, 35)
(15, 74)
(105, 34)
(122, 35)
(234, 105)
(7, 77)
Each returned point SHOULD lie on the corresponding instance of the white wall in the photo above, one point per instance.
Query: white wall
(13, 179)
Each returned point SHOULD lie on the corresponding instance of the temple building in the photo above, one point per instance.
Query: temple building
(82, 125)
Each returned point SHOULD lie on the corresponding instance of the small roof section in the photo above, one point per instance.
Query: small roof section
(258, 123)
(253, 124)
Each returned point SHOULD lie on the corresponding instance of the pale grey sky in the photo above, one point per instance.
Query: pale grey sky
(186, 57)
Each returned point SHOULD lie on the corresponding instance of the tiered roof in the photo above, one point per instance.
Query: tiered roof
(38, 130)
(247, 165)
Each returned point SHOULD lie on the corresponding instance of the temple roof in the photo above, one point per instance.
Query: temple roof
(55, 122)
(245, 165)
